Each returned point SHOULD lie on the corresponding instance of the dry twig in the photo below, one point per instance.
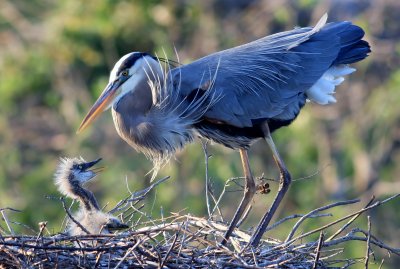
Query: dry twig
(318, 250)
(368, 243)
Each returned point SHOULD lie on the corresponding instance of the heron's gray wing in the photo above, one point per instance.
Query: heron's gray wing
(266, 78)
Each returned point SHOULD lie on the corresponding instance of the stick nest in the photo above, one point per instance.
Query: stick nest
(185, 241)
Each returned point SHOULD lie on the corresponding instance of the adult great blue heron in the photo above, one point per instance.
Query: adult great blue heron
(232, 97)
(71, 174)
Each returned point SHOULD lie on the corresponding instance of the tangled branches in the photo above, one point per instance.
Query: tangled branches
(184, 241)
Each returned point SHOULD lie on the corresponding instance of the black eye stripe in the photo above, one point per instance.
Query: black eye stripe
(130, 61)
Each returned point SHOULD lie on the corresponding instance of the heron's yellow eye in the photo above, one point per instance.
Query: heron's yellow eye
(125, 73)
(80, 167)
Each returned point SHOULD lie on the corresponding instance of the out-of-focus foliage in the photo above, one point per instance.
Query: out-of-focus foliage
(54, 61)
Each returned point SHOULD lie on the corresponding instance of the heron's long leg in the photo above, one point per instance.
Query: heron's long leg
(249, 190)
(284, 183)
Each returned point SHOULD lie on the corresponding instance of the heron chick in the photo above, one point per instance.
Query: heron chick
(70, 176)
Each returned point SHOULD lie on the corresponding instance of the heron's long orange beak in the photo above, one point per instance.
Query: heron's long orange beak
(101, 104)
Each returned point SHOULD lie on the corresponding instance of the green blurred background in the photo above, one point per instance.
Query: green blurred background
(55, 57)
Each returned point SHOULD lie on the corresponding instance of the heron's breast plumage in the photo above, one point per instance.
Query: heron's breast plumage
(156, 136)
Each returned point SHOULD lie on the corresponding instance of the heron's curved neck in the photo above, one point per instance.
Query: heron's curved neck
(138, 101)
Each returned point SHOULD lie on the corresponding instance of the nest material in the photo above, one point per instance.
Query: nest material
(184, 241)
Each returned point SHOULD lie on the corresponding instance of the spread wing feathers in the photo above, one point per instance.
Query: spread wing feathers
(268, 78)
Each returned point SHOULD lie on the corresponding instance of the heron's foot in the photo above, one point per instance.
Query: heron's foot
(262, 186)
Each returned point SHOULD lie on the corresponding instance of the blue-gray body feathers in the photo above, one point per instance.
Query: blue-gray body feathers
(265, 80)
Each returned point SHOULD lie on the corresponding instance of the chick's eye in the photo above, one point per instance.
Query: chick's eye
(124, 73)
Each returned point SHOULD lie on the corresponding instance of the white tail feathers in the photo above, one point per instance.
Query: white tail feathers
(322, 92)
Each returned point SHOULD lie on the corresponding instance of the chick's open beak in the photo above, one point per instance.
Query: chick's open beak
(102, 103)
(89, 165)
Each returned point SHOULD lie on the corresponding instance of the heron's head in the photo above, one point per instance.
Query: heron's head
(73, 172)
(127, 74)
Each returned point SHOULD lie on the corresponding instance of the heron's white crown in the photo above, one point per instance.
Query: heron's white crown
(113, 73)
(144, 68)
